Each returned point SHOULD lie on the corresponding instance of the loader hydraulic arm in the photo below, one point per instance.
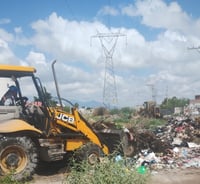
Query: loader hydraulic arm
(87, 130)
(76, 122)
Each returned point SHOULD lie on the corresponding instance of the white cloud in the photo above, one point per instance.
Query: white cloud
(108, 10)
(4, 21)
(159, 14)
(162, 58)
(175, 36)
(165, 61)
(18, 30)
(7, 37)
(3, 44)
(69, 40)
(36, 58)
(6, 54)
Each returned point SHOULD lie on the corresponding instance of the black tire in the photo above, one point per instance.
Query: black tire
(18, 156)
(89, 152)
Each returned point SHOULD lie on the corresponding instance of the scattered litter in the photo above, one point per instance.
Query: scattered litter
(141, 169)
(174, 145)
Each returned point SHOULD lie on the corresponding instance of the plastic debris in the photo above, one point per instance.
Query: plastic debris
(141, 170)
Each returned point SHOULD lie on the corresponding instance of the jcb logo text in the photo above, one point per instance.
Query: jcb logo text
(65, 118)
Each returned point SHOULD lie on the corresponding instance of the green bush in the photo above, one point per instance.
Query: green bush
(146, 123)
(153, 123)
(106, 172)
(8, 180)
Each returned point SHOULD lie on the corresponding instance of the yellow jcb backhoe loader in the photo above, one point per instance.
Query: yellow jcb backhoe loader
(35, 130)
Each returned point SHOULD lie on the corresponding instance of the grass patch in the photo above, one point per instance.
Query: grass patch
(153, 123)
(8, 179)
(147, 123)
(106, 172)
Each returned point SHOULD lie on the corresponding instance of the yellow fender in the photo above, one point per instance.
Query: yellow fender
(16, 125)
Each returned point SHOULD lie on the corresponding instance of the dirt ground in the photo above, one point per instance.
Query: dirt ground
(176, 176)
(55, 174)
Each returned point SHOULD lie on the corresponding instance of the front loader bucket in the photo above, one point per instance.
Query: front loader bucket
(114, 139)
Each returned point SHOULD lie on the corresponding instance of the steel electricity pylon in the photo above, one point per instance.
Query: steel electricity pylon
(108, 42)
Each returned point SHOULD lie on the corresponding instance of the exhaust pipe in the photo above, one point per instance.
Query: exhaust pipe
(56, 83)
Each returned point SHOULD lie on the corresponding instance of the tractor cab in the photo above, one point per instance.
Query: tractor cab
(19, 99)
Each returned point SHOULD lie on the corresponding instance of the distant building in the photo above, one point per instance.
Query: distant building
(86, 110)
(178, 110)
(195, 102)
(194, 105)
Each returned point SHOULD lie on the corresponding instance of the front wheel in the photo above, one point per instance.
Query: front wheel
(90, 153)
(18, 156)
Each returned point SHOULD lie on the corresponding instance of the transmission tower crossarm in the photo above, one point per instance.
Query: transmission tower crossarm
(194, 48)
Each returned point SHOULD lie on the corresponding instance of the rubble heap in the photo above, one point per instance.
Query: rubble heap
(176, 144)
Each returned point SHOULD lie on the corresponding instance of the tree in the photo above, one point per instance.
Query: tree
(171, 103)
(48, 97)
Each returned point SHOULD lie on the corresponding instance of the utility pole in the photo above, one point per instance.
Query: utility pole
(108, 43)
(166, 94)
(153, 91)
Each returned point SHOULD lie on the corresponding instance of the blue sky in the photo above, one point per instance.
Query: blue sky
(154, 50)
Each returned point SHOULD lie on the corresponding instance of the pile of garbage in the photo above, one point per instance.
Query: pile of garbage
(174, 145)
(180, 131)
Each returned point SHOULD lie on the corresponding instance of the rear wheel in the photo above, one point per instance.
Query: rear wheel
(18, 156)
